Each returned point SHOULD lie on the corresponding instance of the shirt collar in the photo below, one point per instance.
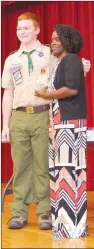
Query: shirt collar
(37, 47)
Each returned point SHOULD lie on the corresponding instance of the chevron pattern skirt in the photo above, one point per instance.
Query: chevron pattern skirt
(67, 169)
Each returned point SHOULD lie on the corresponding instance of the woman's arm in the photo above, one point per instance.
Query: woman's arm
(71, 71)
(61, 93)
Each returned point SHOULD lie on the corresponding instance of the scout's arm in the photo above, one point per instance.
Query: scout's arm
(7, 104)
(7, 84)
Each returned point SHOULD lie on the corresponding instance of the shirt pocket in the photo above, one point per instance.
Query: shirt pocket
(42, 73)
(43, 69)
(16, 71)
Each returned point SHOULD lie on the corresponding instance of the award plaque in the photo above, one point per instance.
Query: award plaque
(42, 78)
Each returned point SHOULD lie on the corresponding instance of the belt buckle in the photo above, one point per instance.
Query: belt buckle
(29, 109)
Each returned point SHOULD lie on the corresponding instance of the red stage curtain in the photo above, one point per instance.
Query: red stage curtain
(5, 3)
(75, 13)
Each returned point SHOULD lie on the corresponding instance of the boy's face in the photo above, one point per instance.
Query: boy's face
(26, 32)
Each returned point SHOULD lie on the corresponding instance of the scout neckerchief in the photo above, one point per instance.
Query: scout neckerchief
(30, 63)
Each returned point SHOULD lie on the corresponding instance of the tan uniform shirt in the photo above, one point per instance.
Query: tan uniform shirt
(16, 75)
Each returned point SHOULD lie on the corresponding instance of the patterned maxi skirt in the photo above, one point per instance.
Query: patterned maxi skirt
(67, 169)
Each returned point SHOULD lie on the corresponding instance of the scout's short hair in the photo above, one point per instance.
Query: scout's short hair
(70, 38)
(30, 16)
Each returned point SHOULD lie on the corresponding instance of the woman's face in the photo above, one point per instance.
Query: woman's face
(56, 44)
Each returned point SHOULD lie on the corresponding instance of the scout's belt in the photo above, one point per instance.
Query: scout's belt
(34, 109)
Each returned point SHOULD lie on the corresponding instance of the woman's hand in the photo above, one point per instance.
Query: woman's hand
(42, 92)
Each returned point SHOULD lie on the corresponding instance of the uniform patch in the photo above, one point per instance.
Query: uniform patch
(16, 71)
(40, 54)
(43, 71)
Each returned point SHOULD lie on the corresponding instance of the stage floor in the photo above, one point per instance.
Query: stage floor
(31, 237)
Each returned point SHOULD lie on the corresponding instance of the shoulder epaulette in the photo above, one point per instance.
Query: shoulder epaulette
(13, 52)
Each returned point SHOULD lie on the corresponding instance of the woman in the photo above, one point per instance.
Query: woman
(68, 175)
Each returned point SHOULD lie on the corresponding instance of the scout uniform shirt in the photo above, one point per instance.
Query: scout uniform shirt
(16, 75)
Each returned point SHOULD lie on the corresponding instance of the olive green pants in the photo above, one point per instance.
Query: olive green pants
(29, 136)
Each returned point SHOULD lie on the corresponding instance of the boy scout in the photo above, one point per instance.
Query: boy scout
(24, 71)
(25, 122)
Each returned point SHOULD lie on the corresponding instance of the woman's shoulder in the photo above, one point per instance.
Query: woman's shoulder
(72, 59)
(71, 56)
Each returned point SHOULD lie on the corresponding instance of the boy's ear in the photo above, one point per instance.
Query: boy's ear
(37, 31)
